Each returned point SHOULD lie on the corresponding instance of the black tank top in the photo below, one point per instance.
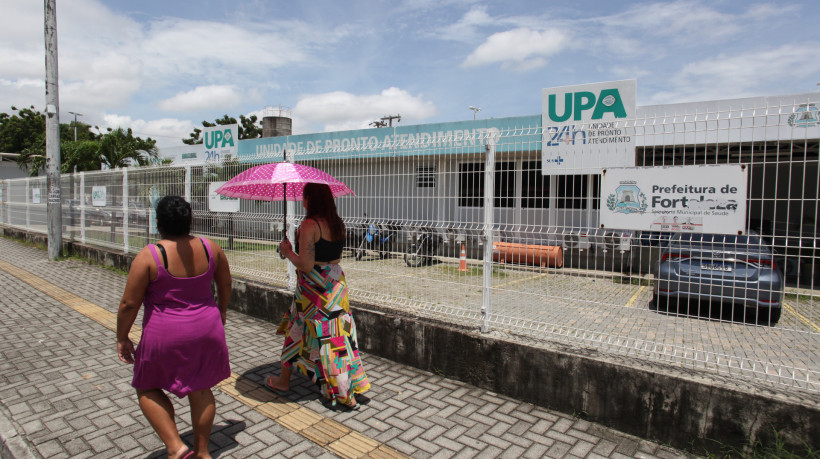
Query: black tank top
(326, 251)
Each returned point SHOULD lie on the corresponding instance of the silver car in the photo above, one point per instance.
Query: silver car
(720, 269)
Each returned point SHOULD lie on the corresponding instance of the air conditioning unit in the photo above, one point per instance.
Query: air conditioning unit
(577, 241)
(617, 241)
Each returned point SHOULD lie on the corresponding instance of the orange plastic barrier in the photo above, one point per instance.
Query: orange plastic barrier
(526, 254)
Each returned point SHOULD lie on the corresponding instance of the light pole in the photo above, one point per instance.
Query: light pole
(75, 123)
(475, 111)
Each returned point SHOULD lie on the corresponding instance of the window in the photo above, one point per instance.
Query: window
(426, 177)
(471, 184)
(596, 192)
(572, 192)
(535, 186)
(504, 184)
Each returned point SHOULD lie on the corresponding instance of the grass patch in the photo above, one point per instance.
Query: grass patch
(776, 449)
(498, 272)
(26, 243)
(631, 280)
(246, 246)
(93, 263)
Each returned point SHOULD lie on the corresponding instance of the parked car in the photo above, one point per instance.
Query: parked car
(720, 269)
(72, 210)
(796, 247)
(137, 214)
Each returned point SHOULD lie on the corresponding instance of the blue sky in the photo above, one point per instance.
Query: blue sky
(162, 67)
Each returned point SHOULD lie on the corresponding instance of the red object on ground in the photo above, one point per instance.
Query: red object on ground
(527, 254)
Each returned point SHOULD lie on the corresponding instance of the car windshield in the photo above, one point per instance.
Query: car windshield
(718, 238)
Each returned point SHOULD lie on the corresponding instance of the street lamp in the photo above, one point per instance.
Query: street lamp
(75, 123)
(475, 110)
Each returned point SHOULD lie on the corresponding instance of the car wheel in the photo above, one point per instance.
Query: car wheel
(766, 316)
(412, 257)
(664, 304)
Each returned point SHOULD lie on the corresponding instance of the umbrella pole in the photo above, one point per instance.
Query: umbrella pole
(285, 197)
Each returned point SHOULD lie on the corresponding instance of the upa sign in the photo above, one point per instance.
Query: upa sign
(221, 142)
(219, 203)
(589, 127)
(693, 199)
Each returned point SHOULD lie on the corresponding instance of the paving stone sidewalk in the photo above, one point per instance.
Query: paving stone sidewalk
(64, 393)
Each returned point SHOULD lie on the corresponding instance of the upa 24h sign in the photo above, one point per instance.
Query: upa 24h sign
(220, 142)
(695, 199)
(586, 127)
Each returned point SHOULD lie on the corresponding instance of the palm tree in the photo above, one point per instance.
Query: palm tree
(119, 148)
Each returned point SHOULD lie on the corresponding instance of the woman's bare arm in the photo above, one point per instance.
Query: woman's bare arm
(306, 258)
(223, 279)
(138, 278)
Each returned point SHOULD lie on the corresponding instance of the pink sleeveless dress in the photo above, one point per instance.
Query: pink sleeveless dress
(183, 347)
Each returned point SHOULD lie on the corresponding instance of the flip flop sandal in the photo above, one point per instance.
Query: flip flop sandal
(279, 392)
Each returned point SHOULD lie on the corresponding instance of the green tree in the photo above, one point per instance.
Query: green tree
(84, 132)
(24, 132)
(84, 154)
(249, 128)
(119, 148)
(21, 130)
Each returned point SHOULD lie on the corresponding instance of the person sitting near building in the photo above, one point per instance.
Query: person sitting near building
(182, 349)
(320, 333)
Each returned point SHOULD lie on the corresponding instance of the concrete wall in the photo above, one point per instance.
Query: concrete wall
(680, 407)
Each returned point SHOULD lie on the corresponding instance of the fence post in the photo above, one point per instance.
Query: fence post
(489, 211)
(82, 207)
(28, 203)
(125, 244)
(188, 184)
(290, 231)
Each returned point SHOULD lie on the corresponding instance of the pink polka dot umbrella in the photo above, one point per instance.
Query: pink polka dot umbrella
(279, 181)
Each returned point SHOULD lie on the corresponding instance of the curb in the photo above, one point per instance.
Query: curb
(13, 444)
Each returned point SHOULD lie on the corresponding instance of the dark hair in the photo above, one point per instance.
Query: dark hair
(174, 216)
(320, 203)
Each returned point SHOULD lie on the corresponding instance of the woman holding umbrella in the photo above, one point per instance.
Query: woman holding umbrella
(320, 333)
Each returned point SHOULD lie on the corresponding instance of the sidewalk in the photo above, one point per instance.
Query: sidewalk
(64, 393)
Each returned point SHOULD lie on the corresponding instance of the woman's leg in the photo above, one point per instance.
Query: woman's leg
(281, 382)
(203, 411)
(159, 411)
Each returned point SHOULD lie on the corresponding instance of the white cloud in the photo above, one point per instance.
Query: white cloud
(341, 110)
(106, 81)
(682, 21)
(166, 131)
(742, 75)
(465, 29)
(216, 50)
(768, 11)
(204, 98)
(22, 92)
(520, 48)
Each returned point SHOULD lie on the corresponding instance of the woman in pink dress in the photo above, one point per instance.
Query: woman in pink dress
(182, 349)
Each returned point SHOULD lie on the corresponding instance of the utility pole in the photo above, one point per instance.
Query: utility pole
(75, 123)
(53, 209)
(390, 118)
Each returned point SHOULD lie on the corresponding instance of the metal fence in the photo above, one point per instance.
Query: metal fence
(491, 225)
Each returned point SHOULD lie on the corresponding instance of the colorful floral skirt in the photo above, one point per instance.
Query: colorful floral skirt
(320, 334)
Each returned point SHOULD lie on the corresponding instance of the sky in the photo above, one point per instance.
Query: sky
(162, 67)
